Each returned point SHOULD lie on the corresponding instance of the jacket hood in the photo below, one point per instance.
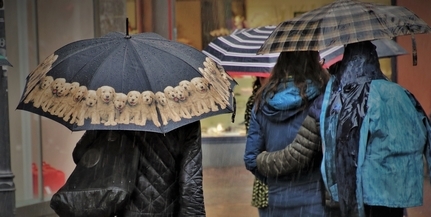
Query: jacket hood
(360, 63)
(287, 102)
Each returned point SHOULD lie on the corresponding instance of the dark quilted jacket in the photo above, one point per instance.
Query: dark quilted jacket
(169, 180)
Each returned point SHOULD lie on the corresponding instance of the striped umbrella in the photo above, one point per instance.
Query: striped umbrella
(237, 52)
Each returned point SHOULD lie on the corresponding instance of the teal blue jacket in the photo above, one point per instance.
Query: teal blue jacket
(395, 136)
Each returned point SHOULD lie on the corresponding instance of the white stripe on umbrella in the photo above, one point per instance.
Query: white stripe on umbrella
(326, 53)
(237, 52)
(244, 64)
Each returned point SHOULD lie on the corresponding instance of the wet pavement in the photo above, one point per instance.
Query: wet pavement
(227, 192)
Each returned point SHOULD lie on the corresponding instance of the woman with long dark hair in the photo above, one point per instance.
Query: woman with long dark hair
(280, 108)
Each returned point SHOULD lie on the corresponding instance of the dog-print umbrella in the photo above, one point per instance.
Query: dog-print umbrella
(344, 22)
(128, 82)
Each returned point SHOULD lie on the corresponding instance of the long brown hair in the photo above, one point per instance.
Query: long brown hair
(298, 65)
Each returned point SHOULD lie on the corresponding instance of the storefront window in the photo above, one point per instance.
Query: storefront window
(23, 148)
(58, 144)
(221, 125)
(41, 149)
(208, 20)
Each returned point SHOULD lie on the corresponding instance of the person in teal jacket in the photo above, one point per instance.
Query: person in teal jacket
(374, 136)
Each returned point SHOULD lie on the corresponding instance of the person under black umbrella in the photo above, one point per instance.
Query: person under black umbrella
(164, 180)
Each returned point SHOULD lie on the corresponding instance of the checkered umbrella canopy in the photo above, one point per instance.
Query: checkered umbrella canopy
(343, 22)
(237, 52)
(384, 48)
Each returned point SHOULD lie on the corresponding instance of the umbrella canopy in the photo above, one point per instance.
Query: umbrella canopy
(343, 22)
(384, 47)
(4, 61)
(140, 82)
(237, 52)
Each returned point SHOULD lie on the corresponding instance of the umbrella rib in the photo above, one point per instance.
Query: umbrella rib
(150, 83)
(243, 54)
(140, 62)
(111, 52)
(83, 50)
(328, 8)
(79, 51)
(176, 56)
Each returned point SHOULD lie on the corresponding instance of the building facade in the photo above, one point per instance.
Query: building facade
(40, 148)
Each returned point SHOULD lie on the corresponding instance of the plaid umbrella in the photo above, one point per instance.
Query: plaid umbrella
(384, 47)
(343, 22)
(237, 52)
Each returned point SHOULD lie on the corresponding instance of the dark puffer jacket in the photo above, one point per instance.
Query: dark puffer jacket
(304, 152)
(169, 179)
(300, 154)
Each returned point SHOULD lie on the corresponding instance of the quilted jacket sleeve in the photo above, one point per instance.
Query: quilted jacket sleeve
(297, 155)
(191, 189)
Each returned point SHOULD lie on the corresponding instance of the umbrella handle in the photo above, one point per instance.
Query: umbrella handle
(127, 28)
(234, 109)
(414, 50)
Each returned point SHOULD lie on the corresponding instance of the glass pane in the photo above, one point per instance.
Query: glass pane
(58, 23)
(24, 126)
(75, 20)
(221, 125)
(198, 27)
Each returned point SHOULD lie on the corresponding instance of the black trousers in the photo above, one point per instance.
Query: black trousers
(381, 211)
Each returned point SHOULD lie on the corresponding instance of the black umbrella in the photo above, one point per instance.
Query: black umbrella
(121, 82)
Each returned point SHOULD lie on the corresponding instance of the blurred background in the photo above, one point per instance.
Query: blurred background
(41, 149)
